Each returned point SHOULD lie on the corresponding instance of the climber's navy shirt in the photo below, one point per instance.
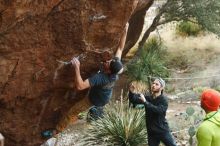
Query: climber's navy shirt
(101, 88)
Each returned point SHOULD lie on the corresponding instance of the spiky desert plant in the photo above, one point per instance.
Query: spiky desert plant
(149, 63)
(120, 125)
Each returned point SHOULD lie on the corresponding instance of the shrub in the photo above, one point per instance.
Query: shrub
(120, 125)
(186, 28)
(150, 62)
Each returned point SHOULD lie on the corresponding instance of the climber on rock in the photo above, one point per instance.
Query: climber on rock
(102, 83)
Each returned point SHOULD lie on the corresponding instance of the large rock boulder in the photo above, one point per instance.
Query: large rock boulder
(35, 89)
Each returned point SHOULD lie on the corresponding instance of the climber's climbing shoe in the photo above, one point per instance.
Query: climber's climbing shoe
(47, 133)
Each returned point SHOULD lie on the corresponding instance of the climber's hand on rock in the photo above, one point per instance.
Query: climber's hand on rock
(75, 62)
(126, 26)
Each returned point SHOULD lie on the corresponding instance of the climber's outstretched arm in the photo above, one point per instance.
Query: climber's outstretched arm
(80, 83)
(122, 42)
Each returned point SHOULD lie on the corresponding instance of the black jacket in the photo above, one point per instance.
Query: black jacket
(155, 110)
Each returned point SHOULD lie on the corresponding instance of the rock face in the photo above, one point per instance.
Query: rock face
(35, 89)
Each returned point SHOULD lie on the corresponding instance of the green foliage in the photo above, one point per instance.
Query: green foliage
(191, 131)
(194, 118)
(150, 62)
(190, 111)
(120, 125)
(187, 28)
(184, 125)
(205, 13)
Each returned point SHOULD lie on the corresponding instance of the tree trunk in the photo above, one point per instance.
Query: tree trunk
(136, 24)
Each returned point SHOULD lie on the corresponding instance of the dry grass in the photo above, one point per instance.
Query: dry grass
(177, 43)
(140, 87)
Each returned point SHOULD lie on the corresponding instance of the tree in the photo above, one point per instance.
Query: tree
(204, 12)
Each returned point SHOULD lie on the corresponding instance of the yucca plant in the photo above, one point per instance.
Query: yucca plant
(121, 126)
(150, 62)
